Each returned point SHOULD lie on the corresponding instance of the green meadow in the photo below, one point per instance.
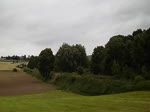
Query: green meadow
(60, 101)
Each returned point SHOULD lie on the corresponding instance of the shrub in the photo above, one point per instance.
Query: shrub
(138, 79)
(27, 70)
(145, 72)
(142, 85)
(80, 70)
(15, 70)
(65, 81)
(118, 86)
(92, 85)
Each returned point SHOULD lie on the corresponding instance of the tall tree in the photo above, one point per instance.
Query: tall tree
(80, 55)
(69, 58)
(97, 60)
(46, 63)
(114, 48)
(64, 59)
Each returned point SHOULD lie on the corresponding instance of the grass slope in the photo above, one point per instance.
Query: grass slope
(60, 101)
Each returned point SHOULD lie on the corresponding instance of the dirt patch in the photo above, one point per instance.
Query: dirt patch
(17, 83)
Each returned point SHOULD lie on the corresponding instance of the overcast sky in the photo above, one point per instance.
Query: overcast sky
(29, 26)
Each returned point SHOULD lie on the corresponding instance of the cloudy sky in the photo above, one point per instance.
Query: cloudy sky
(29, 26)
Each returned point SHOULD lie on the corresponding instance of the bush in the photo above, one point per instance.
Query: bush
(118, 86)
(142, 85)
(138, 79)
(65, 81)
(80, 70)
(15, 70)
(27, 70)
(91, 85)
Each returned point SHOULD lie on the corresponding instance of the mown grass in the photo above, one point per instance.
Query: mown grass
(60, 101)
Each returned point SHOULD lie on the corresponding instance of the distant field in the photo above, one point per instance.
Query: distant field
(59, 101)
(8, 65)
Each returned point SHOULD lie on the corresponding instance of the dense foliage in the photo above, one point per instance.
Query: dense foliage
(46, 63)
(124, 56)
(96, 85)
(97, 60)
(126, 59)
(33, 62)
(69, 58)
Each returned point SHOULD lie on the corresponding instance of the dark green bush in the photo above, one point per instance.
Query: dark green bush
(80, 70)
(15, 70)
(92, 85)
(65, 81)
(138, 79)
(27, 70)
(142, 85)
(118, 86)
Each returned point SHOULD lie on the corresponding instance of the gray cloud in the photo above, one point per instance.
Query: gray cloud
(28, 26)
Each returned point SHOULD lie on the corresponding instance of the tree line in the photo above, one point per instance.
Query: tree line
(15, 58)
(122, 57)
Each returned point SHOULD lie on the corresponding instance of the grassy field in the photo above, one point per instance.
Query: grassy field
(59, 101)
(4, 66)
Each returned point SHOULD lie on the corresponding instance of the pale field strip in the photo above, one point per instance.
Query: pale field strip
(8, 65)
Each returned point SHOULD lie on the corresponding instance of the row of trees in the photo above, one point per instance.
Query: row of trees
(15, 57)
(68, 59)
(122, 57)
